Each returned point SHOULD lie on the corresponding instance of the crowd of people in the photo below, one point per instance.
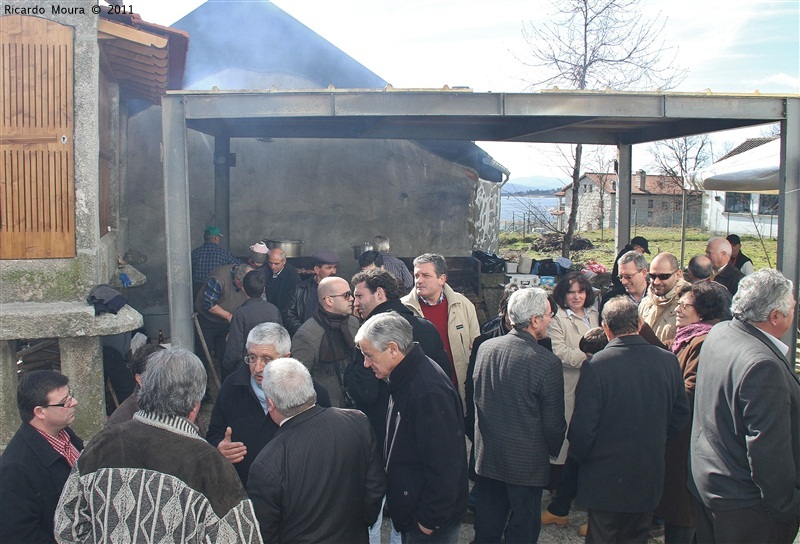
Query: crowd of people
(669, 398)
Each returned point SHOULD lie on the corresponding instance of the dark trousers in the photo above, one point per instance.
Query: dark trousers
(743, 526)
(566, 491)
(678, 534)
(495, 500)
(624, 528)
(216, 336)
(446, 534)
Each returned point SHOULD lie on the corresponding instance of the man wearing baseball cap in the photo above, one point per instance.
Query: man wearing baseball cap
(209, 256)
(742, 261)
(304, 302)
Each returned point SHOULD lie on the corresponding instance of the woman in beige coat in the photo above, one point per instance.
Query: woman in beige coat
(576, 314)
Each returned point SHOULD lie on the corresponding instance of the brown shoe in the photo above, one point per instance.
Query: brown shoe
(552, 519)
(583, 529)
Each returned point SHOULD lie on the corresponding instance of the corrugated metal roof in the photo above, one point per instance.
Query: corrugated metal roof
(747, 145)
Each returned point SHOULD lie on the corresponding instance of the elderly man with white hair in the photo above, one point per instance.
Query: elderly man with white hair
(519, 422)
(719, 250)
(154, 478)
(745, 444)
(321, 478)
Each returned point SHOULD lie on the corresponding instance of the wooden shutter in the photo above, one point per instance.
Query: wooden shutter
(37, 188)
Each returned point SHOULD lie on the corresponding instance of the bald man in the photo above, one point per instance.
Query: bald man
(658, 307)
(324, 343)
(719, 250)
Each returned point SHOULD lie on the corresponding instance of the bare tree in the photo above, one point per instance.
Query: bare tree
(598, 44)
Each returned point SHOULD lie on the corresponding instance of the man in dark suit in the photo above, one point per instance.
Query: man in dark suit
(629, 399)
(519, 422)
(425, 450)
(725, 272)
(37, 460)
(321, 478)
(745, 445)
(282, 278)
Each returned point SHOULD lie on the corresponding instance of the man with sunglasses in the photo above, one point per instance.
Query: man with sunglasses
(38, 459)
(658, 307)
(325, 343)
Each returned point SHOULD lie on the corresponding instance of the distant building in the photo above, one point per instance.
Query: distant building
(655, 201)
(727, 212)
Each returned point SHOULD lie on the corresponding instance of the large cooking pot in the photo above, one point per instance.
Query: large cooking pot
(358, 249)
(292, 248)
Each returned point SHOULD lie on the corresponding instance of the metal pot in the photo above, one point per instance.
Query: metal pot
(292, 248)
(359, 249)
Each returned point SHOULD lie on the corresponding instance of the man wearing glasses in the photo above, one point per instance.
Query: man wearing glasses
(632, 274)
(240, 425)
(325, 343)
(37, 461)
(658, 307)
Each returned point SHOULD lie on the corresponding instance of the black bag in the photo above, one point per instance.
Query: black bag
(546, 267)
(490, 263)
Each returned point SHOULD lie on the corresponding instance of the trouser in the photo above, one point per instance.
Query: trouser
(215, 334)
(619, 527)
(742, 526)
(566, 491)
(446, 534)
(495, 501)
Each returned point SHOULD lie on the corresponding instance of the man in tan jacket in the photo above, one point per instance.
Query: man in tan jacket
(658, 307)
(451, 313)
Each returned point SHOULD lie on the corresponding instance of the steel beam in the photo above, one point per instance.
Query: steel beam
(789, 209)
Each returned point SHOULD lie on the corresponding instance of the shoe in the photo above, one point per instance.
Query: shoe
(583, 529)
(552, 519)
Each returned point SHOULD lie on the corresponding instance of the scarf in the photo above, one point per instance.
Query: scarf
(337, 341)
(687, 333)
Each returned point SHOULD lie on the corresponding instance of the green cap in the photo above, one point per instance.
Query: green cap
(211, 230)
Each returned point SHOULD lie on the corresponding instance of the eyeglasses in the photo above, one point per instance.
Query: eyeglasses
(67, 401)
(255, 359)
(347, 296)
(662, 277)
(627, 277)
(683, 305)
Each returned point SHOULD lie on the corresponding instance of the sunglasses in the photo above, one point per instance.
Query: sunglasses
(347, 296)
(662, 277)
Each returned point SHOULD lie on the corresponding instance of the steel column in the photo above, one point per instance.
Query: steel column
(222, 186)
(789, 210)
(623, 231)
(176, 206)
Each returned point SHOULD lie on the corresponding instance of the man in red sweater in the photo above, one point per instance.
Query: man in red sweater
(451, 313)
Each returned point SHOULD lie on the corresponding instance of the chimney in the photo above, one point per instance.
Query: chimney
(642, 180)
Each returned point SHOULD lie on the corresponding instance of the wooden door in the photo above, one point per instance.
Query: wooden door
(37, 188)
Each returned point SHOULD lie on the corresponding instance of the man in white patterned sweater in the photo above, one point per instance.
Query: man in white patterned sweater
(154, 478)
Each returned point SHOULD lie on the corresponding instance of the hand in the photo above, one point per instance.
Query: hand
(424, 529)
(233, 451)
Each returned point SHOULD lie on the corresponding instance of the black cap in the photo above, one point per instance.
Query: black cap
(640, 241)
(325, 257)
(734, 239)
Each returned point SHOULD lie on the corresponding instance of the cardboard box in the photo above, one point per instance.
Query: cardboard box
(523, 280)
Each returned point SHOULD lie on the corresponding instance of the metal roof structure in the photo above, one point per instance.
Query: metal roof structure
(605, 118)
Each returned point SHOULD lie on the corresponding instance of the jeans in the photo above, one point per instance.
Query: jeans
(495, 501)
(375, 529)
(446, 534)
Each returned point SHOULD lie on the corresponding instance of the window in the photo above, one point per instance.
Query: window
(768, 204)
(633, 202)
(737, 202)
(650, 203)
(665, 206)
(677, 206)
(649, 215)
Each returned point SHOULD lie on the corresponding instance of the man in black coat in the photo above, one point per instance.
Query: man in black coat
(240, 426)
(304, 300)
(725, 272)
(321, 478)
(37, 461)
(424, 447)
(282, 278)
(377, 292)
(745, 445)
(630, 398)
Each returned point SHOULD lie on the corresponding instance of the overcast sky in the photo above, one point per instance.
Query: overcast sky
(728, 46)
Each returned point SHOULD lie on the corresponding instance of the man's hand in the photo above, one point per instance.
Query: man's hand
(233, 451)
(424, 529)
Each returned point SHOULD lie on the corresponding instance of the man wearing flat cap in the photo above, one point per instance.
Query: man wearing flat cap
(209, 256)
(304, 302)
(638, 244)
(258, 255)
(739, 259)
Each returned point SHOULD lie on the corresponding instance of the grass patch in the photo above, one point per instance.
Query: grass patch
(660, 239)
